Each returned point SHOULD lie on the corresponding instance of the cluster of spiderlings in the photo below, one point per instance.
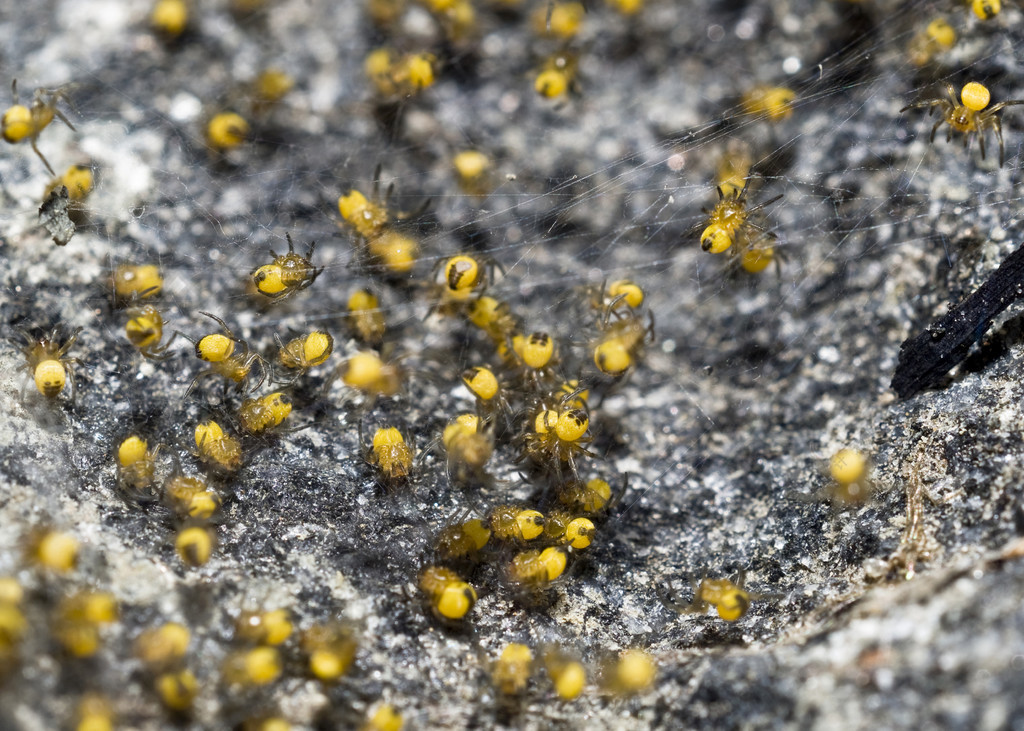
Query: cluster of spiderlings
(733, 226)
(630, 672)
(556, 28)
(162, 651)
(220, 443)
(265, 650)
(514, 545)
(531, 388)
(52, 603)
(526, 403)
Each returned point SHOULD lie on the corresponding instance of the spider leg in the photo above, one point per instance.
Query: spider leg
(759, 206)
(997, 128)
(65, 120)
(201, 376)
(158, 353)
(935, 128)
(255, 358)
(68, 343)
(951, 90)
(995, 108)
(223, 324)
(669, 599)
(376, 183)
(739, 578)
(981, 141)
(926, 103)
(757, 227)
(41, 157)
(71, 377)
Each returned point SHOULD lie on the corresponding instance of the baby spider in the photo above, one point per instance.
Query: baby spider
(397, 77)
(78, 179)
(145, 330)
(469, 444)
(385, 717)
(593, 498)
(986, 9)
(462, 540)
(536, 355)
(458, 281)
(368, 217)
(304, 352)
(136, 464)
(95, 712)
(565, 529)
(851, 486)
(938, 36)
(330, 648)
(450, 598)
(567, 674)
(164, 647)
(495, 318)
(258, 415)
(515, 524)
(218, 349)
(132, 282)
(556, 437)
(535, 568)
(367, 373)
(382, 247)
(511, 671)
(272, 627)
(618, 295)
(253, 667)
(473, 171)
(194, 544)
(557, 76)
(728, 597)
(287, 274)
(22, 123)
(390, 453)
(226, 131)
(217, 449)
(729, 222)
(969, 117)
(633, 671)
(169, 18)
(46, 362)
(774, 103)
(490, 396)
(621, 343)
(558, 19)
(191, 497)
(365, 318)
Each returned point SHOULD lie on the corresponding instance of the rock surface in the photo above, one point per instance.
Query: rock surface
(904, 609)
